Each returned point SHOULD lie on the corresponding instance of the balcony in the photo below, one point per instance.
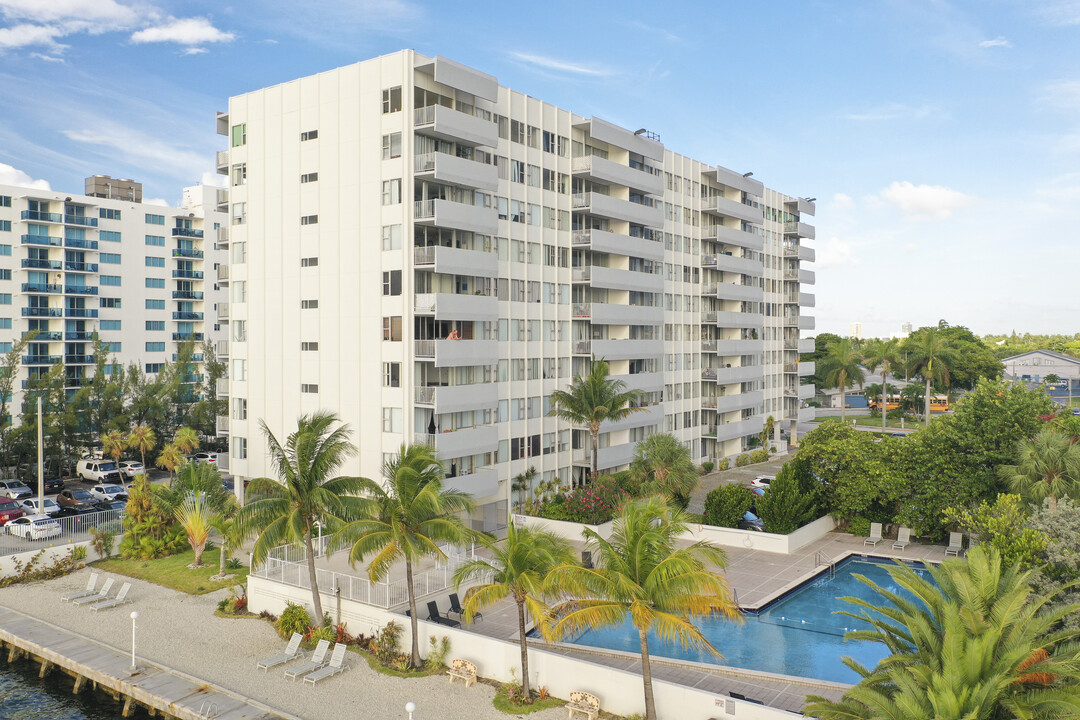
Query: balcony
(456, 261)
(807, 322)
(222, 162)
(79, 359)
(807, 414)
(609, 457)
(619, 279)
(452, 170)
(733, 209)
(37, 264)
(46, 335)
(799, 229)
(42, 288)
(222, 386)
(186, 232)
(791, 320)
(458, 398)
(223, 310)
(461, 443)
(195, 357)
(740, 265)
(730, 291)
(481, 482)
(739, 428)
(807, 254)
(191, 379)
(800, 206)
(740, 347)
(645, 381)
(728, 319)
(187, 253)
(807, 277)
(614, 314)
(806, 368)
(42, 240)
(222, 425)
(222, 348)
(80, 244)
(189, 274)
(83, 267)
(620, 349)
(80, 312)
(452, 306)
(81, 289)
(612, 173)
(81, 336)
(38, 216)
(457, 216)
(733, 236)
(807, 300)
(732, 375)
(454, 126)
(40, 359)
(42, 312)
(80, 220)
(187, 295)
(807, 345)
(739, 401)
(457, 353)
(616, 244)
(806, 392)
(618, 209)
(187, 316)
(647, 415)
(222, 200)
(187, 337)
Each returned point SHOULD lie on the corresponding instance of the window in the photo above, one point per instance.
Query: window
(5, 323)
(549, 142)
(5, 201)
(391, 237)
(391, 374)
(239, 330)
(111, 325)
(309, 135)
(155, 304)
(309, 304)
(5, 274)
(391, 328)
(239, 408)
(564, 145)
(154, 283)
(391, 146)
(391, 282)
(391, 420)
(391, 100)
(517, 171)
(309, 177)
(108, 214)
(155, 219)
(113, 280)
(309, 262)
(109, 258)
(309, 219)
(239, 135)
(152, 261)
(239, 213)
(238, 447)
(5, 249)
(309, 388)
(239, 370)
(107, 302)
(155, 347)
(151, 325)
(517, 132)
(309, 346)
(154, 367)
(109, 236)
(239, 174)
(5, 225)
(534, 136)
(391, 191)
(155, 240)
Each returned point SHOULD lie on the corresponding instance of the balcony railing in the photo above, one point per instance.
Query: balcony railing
(42, 312)
(80, 244)
(79, 359)
(708, 374)
(39, 264)
(424, 348)
(187, 252)
(42, 288)
(424, 209)
(80, 312)
(81, 267)
(582, 274)
(186, 232)
(195, 357)
(582, 310)
(708, 403)
(46, 335)
(41, 216)
(80, 220)
(425, 396)
(583, 347)
(187, 316)
(42, 240)
(81, 289)
(187, 295)
(186, 337)
(80, 336)
(188, 274)
(40, 359)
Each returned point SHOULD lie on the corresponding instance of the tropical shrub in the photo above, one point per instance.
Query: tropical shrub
(790, 502)
(723, 463)
(742, 461)
(294, 619)
(592, 504)
(437, 652)
(33, 570)
(859, 525)
(725, 505)
(707, 467)
(760, 455)
(101, 538)
(387, 643)
(1004, 526)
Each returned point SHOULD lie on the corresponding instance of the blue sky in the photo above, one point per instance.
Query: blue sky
(942, 139)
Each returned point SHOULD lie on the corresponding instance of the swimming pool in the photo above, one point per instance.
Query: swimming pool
(798, 634)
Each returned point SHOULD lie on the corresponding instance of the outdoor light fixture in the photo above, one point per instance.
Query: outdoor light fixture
(410, 707)
(134, 617)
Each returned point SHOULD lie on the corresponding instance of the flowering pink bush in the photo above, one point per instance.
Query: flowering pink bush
(595, 503)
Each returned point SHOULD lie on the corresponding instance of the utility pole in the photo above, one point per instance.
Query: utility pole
(40, 462)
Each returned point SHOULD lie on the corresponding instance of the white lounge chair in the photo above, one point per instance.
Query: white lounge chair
(98, 597)
(875, 535)
(120, 599)
(88, 590)
(335, 666)
(903, 539)
(956, 544)
(291, 652)
(318, 659)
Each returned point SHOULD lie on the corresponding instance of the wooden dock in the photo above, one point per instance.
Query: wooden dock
(160, 690)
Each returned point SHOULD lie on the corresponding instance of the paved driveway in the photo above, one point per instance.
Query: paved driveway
(734, 476)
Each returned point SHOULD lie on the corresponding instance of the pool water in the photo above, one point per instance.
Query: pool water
(799, 634)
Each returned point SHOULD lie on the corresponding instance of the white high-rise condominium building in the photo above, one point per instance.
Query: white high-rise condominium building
(429, 255)
(140, 276)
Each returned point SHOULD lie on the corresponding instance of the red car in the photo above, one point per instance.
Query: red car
(10, 510)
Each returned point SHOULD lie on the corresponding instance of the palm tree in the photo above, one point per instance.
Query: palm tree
(143, 439)
(196, 479)
(196, 517)
(840, 367)
(114, 443)
(592, 399)
(931, 356)
(226, 526)
(883, 355)
(187, 440)
(978, 644)
(1048, 467)
(518, 568)
(662, 466)
(404, 519)
(304, 492)
(170, 458)
(522, 485)
(644, 572)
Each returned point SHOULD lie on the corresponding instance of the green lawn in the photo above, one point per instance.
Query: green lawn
(173, 572)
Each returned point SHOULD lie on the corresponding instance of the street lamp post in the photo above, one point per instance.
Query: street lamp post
(410, 707)
(134, 617)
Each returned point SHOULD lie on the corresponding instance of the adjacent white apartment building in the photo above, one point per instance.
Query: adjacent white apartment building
(140, 276)
(430, 254)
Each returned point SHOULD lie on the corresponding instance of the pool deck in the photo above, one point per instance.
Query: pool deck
(757, 577)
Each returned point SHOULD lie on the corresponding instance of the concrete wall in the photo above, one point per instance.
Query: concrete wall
(7, 562)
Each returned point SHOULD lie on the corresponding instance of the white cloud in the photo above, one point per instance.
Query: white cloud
(560, 65)
(108, 12)
(892, 111)
(185, 31)
(925, 201)
(835, 253)
(23, 35)
(141, 150)
(213, 179)
(13, 176)
(195, 51)
(1061, 12)
(842, 202)
(47, 58)
(1063, 94)
(999, 41)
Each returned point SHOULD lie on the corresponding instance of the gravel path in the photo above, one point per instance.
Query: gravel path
(181, 631)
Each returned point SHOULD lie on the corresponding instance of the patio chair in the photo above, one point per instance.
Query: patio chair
(318, 659)
(88, 590)
(291, 652)
(903, 539)
(120, 599)
(875, 535)
(956, 544)
(455, 607)
(103, 595)
(332, 668)
(436, 617)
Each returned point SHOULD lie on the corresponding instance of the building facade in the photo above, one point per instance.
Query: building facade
(139, 276)
(429, 255)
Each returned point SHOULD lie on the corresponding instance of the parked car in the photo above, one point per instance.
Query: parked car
(750, 521)
(31, 507)
(97, 470)
(204, 457)
(54, 485)
(110, 505)
(34, 527)
(9, 510)
(131, 468)
(108, 492)
(67, 498)
(79, 517)
(15, 489)
(762, 481)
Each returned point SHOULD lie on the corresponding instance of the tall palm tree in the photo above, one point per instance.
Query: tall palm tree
(226, 526)
(518, 568)
(1048, 467)
(644, 572)
(662, 466)
(170, 458)
(114, 443)
(883, 355)
(143, 439)
(592, 399)
(930, 356)
(187, 440)
(978, 644)
(196, 518)
(405, 518)
(522, 485)
(304, 492)
(840, 368)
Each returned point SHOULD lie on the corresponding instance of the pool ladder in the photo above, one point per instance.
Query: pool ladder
(820, 558)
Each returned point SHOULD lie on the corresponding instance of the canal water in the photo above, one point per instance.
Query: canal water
(24, 696)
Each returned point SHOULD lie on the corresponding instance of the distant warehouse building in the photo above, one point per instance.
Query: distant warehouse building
(1036, 365)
